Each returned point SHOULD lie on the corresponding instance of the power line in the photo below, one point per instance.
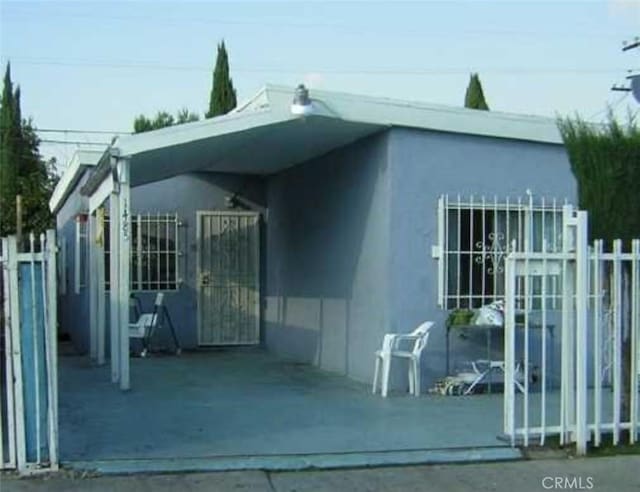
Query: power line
(340, 27)
(72, 142)
(611, 108)
(68, 130)
(383, 71)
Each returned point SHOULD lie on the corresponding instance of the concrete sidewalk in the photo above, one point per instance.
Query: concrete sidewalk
(618, 474)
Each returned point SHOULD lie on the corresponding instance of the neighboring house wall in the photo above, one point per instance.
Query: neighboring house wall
(74, 308)
(327, 255)
(424, 165)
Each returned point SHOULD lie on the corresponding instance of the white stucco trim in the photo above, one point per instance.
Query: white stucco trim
(425, 116)
(81, 159)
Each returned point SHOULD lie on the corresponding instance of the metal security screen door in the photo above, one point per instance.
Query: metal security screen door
(228, 278)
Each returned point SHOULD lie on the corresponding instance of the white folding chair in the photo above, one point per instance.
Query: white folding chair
(391, 347)
(145, 325)
(483, 370)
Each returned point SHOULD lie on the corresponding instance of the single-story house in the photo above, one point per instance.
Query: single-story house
(311, 229)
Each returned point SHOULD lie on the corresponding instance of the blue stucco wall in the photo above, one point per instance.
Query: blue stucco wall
(184, 195)
(73, 312)
(327, 249)
(424, 165)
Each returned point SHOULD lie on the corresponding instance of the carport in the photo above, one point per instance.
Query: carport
(260, 411)
(261, 137)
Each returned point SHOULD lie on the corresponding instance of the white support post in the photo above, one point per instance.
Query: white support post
(100, 290)
(635, 333)
(597, 341)
(114, 283)
(51, 346)
(509, 349)
(124, 237)
(582, 300)
(9, 381)
(567, 383)
(92, 286)
(617, 338)
(12, 265)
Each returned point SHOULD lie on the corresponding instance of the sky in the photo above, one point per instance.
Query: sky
(94, 66)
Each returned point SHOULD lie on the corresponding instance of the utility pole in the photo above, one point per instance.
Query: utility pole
(19, 221)
(635, 79)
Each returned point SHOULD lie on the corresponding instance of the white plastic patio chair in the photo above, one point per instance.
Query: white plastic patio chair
(391, 348)
(146, 324)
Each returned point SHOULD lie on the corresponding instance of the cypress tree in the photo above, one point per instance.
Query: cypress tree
(474, 97)
(10, 136)
(223, 95)
(22, 170)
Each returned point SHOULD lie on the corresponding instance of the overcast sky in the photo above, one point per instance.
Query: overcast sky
(96, 65)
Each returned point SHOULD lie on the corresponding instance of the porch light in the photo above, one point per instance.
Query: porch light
(301, 105)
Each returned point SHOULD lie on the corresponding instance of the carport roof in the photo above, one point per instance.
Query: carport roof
(262, 136)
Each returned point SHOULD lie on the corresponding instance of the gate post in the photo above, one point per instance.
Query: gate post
(582, 304)
(567, 346)
(14, 310)
(509, 348)
(51, 336)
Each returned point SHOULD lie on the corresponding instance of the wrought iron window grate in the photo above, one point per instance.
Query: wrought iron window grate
(155, 252)
(476, 233)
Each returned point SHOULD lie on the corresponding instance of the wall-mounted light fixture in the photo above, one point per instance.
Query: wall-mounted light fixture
(302, 105)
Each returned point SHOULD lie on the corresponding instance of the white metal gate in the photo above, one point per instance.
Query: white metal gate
(595, 308)
(228, 278)
(28, 391)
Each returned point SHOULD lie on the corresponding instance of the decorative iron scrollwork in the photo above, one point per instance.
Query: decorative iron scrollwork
(493, 253)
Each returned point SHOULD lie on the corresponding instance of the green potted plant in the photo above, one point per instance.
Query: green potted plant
(460, 317)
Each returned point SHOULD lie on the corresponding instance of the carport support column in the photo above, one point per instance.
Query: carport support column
(100, 291)
(96, 287)
(92, 286)
(114, 291)
(124, 238)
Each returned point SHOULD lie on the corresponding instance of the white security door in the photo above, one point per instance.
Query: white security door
(228, 278)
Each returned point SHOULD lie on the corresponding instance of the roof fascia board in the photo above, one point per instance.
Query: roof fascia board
(81, 160)
(392, 112)
(182, 134)
(100, 173)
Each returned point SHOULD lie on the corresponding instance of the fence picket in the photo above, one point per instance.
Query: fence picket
(597, 289)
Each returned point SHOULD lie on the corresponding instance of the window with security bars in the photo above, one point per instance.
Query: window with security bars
(474, 238)
(154, 252)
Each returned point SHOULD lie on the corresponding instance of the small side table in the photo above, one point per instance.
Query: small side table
(488, 329)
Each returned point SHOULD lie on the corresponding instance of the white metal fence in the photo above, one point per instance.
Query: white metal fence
(29, 400)
(597, 314)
